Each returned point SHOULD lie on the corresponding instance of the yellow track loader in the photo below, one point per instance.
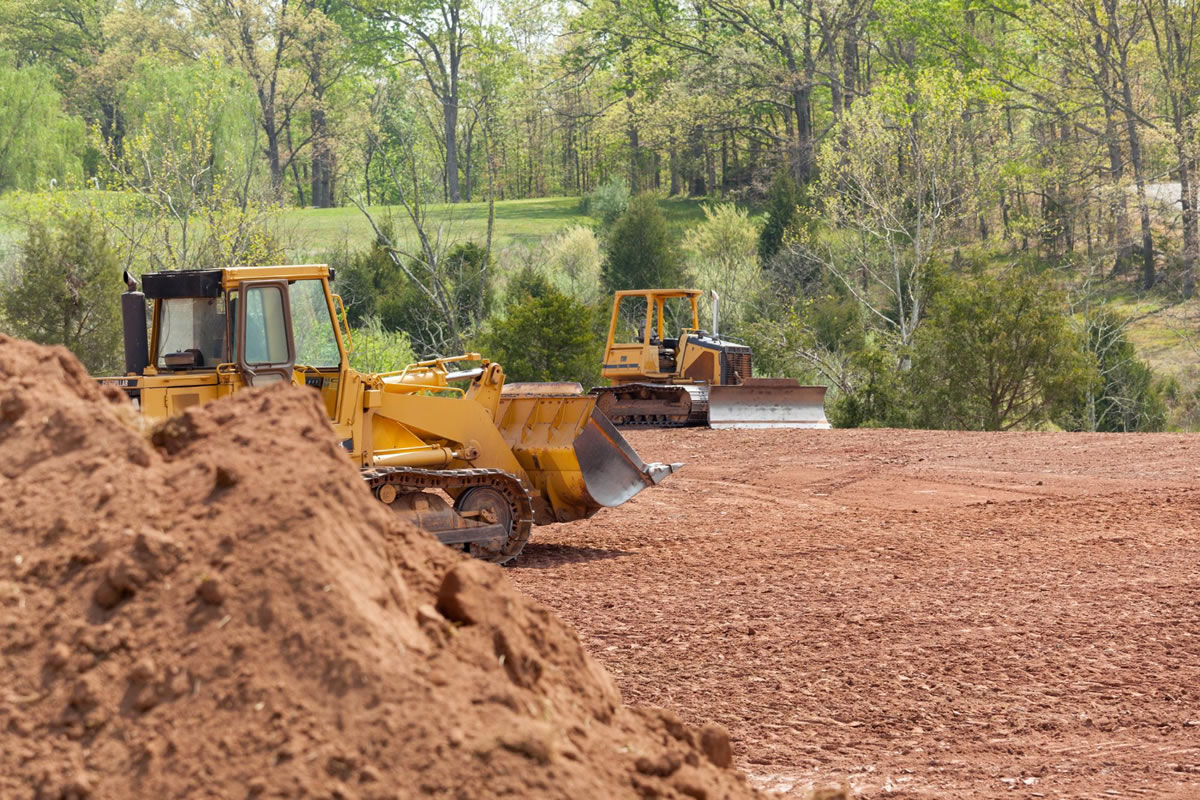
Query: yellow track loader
(694, 378)
(506, 460)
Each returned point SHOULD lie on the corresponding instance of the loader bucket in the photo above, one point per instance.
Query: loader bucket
(573, 455)
(767, 403)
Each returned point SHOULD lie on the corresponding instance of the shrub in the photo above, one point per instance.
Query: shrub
(640, 252)
(1123, 396)
(782, 200)
(608, 202)
(373, 285)
(575, 255)
(543, 334)
(723, 255)
(66, 289)
(377, 349)
(996, 353)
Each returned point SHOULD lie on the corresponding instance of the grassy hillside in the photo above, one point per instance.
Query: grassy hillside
(314, 231)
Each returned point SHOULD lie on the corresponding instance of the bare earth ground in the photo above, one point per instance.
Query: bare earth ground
(914, 613)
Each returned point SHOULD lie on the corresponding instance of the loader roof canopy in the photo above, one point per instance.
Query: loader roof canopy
(183, 283)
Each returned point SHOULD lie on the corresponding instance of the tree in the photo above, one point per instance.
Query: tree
(640, 252)
(185, 171)
(66, 290)
(263, 37)
(782, 201)
(723, 256)
(1122, 396)
(543, 334)
(38, 142)
(996, 352)
(1175, 31)
(899, 193)
(433, 35)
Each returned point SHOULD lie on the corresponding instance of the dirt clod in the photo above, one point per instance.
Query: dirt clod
(210, 591)
(143, 672)
(714, 741)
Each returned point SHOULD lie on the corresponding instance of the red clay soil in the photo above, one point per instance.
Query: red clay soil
(919, 614)
(226, 612)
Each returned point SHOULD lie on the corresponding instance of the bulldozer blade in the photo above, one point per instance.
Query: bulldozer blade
(612, 472)
(767, 403)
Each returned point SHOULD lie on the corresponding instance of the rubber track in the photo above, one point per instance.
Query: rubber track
(415, 479)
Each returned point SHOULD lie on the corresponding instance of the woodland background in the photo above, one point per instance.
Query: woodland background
(960, 214)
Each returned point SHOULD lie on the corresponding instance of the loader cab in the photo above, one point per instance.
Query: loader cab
(214, 331)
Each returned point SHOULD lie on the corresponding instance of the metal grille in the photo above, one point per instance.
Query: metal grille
(739, 363)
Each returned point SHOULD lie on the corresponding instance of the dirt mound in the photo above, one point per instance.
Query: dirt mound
(224, 611)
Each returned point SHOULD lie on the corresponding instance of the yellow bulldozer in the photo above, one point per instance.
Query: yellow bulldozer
(694, 378)
(472, 461)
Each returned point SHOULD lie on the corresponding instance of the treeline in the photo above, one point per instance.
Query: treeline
(1071, 109)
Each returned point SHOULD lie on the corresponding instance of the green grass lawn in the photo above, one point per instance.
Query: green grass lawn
(313, 232)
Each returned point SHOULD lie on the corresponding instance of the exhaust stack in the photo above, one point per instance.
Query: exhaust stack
(133, 325)
(716, 302)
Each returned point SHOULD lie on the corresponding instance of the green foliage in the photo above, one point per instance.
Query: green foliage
(543, 334)
(1123, 396)
(374, 286)
(723, 256)
(777, 344)
(186, 198)
(468, 269)
(66, 290)
(641, 253)
(575, 255)
(994, 354)
(608, 202)
(38, 141)
(872, 393)
(1184, 404)
(365, 279)
(783, 199)
(196, 119)
(379, 350)
(899, 190)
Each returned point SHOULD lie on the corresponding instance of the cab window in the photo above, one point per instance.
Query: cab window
(631, 319)
(192, 325)
(313, 325)
(266, 326)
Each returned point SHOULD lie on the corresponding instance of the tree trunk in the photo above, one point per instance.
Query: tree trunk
(272, 149)
(295, 171)
(850, 67)
(1187, 199)
(635, 159)
(322, 160)
(1135, 160)
(710, 165)
(367, 172)
(1116, 165)
(802, 167)
(450, 119)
